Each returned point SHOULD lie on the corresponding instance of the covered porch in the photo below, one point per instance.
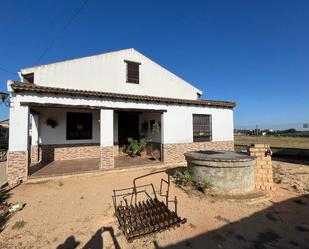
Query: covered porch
(69, 140)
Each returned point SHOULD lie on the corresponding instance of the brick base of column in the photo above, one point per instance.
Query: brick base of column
(116, 150)
(17, 167)
(107, 157)
(34, 154)
(174, 153)
(263, 166)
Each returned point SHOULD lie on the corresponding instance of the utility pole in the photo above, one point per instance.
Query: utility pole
(256, 133)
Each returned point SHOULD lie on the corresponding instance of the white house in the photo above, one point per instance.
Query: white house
(88, 107)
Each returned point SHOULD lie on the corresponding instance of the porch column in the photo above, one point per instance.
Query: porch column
(163, 138)
(18, 153)
(107, 138)
(35, 138)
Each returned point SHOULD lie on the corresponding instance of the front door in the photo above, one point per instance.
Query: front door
(127, 127)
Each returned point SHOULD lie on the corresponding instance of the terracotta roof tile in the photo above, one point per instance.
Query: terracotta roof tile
(27, 87)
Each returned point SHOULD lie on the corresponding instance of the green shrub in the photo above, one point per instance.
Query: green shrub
(19, 224)
(203, 184)
(184, 178)
(135, 147)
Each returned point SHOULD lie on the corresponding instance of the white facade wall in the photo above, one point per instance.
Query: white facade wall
(176, 121)
(107, 128)
(107, 72)
(57, 135)
(19, 127)
(178, 124)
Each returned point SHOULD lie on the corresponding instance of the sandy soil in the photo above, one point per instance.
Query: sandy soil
(294, 176)
(78, 213)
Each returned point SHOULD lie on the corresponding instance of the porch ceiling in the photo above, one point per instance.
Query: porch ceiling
(51, 105)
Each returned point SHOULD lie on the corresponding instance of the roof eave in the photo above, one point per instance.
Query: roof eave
(27, 87)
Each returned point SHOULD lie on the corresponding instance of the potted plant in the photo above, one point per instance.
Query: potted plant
(135, 147)
(156, 155)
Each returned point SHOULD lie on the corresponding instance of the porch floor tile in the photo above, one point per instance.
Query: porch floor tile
(79, 166)
(65, 167)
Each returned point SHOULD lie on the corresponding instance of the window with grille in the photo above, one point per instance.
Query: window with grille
(132, 72)
(202, 130)
(79, 125)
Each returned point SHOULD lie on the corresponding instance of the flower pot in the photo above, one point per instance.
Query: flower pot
(143, 153)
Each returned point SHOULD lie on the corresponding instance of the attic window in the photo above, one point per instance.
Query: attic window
(132, 72)
(29, 77)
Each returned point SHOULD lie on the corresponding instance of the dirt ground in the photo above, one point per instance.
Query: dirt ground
(77, 212)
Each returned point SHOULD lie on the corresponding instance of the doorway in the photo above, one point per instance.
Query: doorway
(128, 124)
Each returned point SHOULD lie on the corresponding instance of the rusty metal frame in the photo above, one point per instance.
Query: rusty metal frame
(137, 219)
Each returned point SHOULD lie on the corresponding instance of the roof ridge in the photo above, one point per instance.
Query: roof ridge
(78, 58)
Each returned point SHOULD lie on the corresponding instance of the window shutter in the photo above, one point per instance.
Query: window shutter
(202, 128)
(132, 72)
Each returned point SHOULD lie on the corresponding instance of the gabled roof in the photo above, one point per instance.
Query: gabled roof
(27, 87)
(77, 58)
(33, 68)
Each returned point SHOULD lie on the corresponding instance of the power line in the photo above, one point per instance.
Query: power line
(7, 71)
(62, 30)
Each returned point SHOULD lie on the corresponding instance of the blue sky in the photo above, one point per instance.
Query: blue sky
(253, 52)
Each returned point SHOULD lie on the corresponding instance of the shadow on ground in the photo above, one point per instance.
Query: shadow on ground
(95, 242)
(284, 225)
(281, 226)
(291, 159)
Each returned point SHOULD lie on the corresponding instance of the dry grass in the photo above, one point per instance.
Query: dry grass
(284, 142)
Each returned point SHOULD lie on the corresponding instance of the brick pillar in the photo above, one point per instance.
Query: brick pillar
(34, 154)
(107, 157)
(107, 139)
(263, 166)
(18, 153)
(17, 167)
